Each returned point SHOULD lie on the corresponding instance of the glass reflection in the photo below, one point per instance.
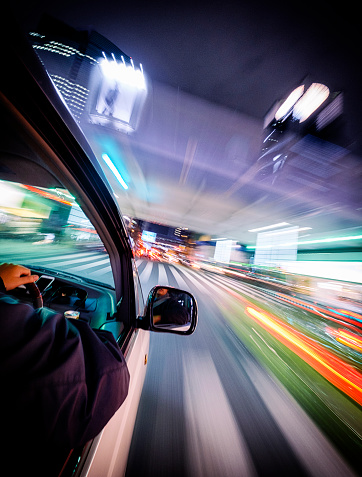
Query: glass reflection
(43, 223)
(172, 309)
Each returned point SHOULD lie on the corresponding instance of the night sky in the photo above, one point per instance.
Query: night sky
(242, 56)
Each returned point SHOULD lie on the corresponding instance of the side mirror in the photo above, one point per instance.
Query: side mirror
(170, 310)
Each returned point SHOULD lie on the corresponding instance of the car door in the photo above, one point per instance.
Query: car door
(51, 151)
(45, 125)
(108, 453)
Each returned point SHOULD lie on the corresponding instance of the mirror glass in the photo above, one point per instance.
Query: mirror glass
(172, 309)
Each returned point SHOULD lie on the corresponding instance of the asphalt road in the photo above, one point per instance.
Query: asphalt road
(209, 408)
(231, 400)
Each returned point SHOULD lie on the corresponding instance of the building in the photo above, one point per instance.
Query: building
(77, 60)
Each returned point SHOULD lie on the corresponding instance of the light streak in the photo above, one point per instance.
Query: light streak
(46, 194)
(347, 338)
(343, 316)
(349, 313)
(335, 370)
(304, 242)
(342, 375)
(267, 227)
(124, 74)
(315, 95)
(115, 171)
(288, 104)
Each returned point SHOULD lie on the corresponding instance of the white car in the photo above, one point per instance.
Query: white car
(49, 180)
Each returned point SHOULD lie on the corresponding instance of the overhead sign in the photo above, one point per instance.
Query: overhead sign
(223, 251)
(149, 236)
(119, 91)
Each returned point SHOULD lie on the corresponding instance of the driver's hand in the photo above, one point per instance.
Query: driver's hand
(15, 275)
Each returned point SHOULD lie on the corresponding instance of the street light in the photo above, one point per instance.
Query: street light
(315, 95)
(303, 104)
(287, 106)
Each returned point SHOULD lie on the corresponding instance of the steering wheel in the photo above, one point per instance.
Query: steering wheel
(35, 294)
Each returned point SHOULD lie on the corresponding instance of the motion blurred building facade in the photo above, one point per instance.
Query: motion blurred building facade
(74, 60)
(69, 56)
(303, 167)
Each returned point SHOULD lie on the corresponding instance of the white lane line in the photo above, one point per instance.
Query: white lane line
(89, 265)
(195, 282)
(215, 287)
(62, 257)
(162, 275)
(232, 283)
(219, 286)
(101, 271)
(179, 278)
(76, 260)
(307, 441)
(196, 278)
(146, 273)
(214, 444)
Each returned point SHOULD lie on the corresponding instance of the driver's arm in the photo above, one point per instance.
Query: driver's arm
(12, 276)
(61, 380)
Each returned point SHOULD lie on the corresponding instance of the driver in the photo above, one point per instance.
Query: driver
(168, 311)
(60, 380)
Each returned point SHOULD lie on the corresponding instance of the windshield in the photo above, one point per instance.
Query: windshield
(46, 228)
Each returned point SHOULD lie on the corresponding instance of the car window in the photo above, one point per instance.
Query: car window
(45, 227)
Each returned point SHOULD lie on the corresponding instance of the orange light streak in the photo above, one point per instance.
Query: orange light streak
(335, 370)
(46, 194)
(351, 313)
(91, 231)
(347, 338)
(339, 316)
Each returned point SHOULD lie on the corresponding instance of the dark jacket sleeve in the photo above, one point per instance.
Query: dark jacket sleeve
(62, 380)
(2, 286)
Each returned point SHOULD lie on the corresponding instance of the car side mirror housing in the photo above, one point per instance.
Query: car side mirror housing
(169, 310)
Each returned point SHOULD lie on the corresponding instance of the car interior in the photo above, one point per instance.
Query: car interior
(22, 168)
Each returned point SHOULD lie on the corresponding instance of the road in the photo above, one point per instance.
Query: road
(85, 262)
(213, 406)
(265, 386)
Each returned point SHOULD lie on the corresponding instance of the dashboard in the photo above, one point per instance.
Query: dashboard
(78, 298)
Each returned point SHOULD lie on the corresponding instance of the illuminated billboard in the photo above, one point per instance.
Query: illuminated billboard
(275, 247)
(148, 236)
(118, 93)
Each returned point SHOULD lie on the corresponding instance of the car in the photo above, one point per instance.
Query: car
(60, 218)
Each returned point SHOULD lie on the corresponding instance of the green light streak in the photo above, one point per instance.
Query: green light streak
(306, 242)
(115, 171)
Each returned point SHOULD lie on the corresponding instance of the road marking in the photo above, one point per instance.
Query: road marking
(75, 260)
(101, 271)
(62, 257)
(89, 265)
(162, 275)
(179, 278)
(196, 278)
(214, 444)
(307, 441)
(146, 273)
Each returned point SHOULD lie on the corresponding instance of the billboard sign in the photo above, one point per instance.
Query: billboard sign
(148, 236)
(119, 91)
